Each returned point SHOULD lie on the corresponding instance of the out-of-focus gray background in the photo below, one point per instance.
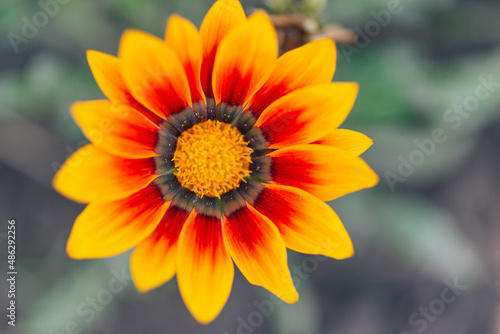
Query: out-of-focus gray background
(426, 238)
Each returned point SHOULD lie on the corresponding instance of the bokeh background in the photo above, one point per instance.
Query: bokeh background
(426, 238)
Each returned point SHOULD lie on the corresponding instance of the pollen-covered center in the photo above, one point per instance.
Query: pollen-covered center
(211, 158)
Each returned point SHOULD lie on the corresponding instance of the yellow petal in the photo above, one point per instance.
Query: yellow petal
(222, 17)
(324, 171)
(153, 73)
(306, 224)
(311, 64)
(109, 228)
(182, 36)
(91, 174)
(347, 140)
(106, 71)
(243, 59)
(154, 260)
(205, 271)
(258, 250)
(307, 114)
(118, 129)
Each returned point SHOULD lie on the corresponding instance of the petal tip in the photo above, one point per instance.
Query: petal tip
(203, 315)
(374, 179)
(94, 58)
(78, 250)
(203, 319)
(371, 179)
(259, 16)
(327, 42)
(176, 19)
(291, 297)
(355, 86)
(73, 251)
(91, 54)
(343, 254)
(140, 287)
(143, 276)
(325, 47)
(132, 39)
(230, 3)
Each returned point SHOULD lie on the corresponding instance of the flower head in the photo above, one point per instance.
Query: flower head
(212, 150)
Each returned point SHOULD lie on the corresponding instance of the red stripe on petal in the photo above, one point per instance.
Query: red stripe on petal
(171, 224)
(265, 96)
(279, 129)
(234, 87)
(207, 69)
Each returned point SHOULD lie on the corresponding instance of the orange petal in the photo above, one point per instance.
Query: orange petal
(91, 174)
(324, 171)
(153, 73)
(223, 16)
(106, 71)
(307, 114)
(307, 224)
(350, 141)
(205, 271)
(182, 36)
(109, 228)
(258, 250)
(311, 64)
(154, 260)
(118, 129)
(244, 57)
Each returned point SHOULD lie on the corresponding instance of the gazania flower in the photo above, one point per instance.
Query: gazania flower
(211, 150)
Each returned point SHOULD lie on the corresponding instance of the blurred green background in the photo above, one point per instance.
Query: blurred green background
(426, 238)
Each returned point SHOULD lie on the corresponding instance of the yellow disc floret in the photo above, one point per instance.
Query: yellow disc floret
(211, 158)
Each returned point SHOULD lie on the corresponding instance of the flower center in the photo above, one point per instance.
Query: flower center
(211, 158)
